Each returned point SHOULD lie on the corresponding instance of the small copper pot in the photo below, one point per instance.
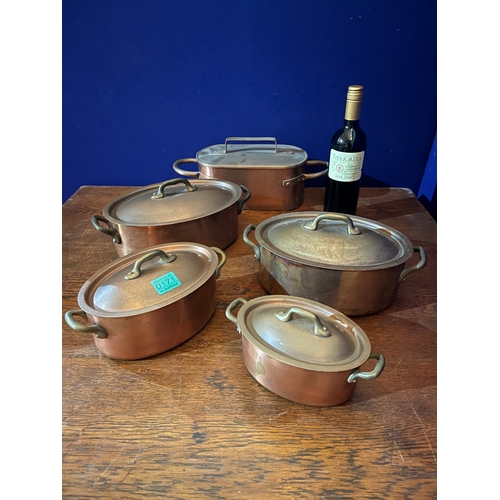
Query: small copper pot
(150, 301)
(302, 350)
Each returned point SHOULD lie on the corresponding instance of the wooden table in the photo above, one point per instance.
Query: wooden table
(193, 423)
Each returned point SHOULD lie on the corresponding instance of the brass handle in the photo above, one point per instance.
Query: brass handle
(109, 230)
(319, 328)
(97, 330)
(251, 244)
(229, 311)
(357, 373)
(316, 174)
(419, 265)
(160, 194)
(351, 228)
(136, 270)
(305, 177)
(187, 173)
(222, 256)
(252, 139)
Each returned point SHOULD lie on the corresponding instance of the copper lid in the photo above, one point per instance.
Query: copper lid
(303, 333)
(333, 241)
(172, 202)
(149, 279)
(251, 152)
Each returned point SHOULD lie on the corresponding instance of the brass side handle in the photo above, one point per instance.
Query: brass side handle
(97, 330)
(108, 229)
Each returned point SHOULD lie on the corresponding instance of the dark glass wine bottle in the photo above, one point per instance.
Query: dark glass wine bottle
(347, 152)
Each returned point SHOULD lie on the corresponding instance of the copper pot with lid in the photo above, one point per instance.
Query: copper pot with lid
(274, 173)
(175, 210)
(302, 350)
(349, 263)
(150, 301)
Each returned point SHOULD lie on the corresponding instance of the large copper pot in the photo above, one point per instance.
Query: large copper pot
(149, 301)
(175, 210)
(302, 350)
(349, 263)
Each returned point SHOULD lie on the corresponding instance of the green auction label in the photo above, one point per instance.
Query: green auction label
(165, 283)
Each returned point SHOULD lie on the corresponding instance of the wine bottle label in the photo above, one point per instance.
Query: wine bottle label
(345, 167)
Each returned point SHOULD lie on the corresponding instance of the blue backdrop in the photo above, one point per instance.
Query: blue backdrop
(147, 82)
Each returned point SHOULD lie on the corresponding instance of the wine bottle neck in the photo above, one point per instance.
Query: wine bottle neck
(351, 123)
(352, 110)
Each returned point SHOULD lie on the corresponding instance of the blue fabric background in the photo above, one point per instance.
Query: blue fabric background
(148, 82)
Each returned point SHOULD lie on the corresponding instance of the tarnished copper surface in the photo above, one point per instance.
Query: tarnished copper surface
(266, 185)
(354, 279)
(341, 290)
(206, 230)
(142, 222)
(274, 173)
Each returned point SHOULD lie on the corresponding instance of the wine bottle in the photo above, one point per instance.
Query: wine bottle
(347, 153)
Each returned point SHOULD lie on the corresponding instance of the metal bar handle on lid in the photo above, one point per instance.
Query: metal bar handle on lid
(252, 139)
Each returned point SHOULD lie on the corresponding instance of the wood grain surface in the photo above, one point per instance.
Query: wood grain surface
(192, 422)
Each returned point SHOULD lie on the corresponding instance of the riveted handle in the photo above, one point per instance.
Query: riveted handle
(419, 265)
(187, 173)
(136, 270)
(160, 193)
(109, 230)
(319, 328)
(351, 228)
(252, 139)
(229, 310)
(305, 177)
(357, 373)
(251, 244)
(222, 261)
(97, 330)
